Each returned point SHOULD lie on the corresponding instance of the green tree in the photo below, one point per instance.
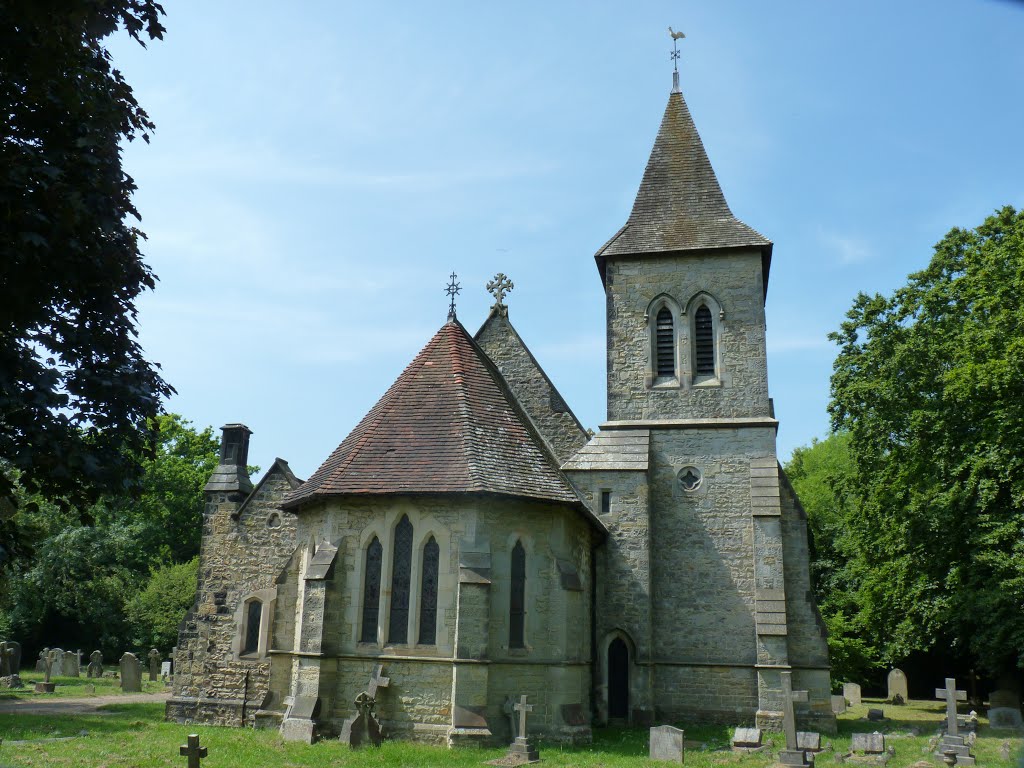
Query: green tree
(76, 393)
(157, 610)
(930, 385)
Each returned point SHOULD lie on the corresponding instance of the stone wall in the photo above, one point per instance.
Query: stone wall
(733, 279)
(238, 557)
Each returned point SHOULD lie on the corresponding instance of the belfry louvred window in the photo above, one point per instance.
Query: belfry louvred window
(401, 582)
(371, 591)
(704, 342)
(428, 593)
(665, 352)
(517, 603)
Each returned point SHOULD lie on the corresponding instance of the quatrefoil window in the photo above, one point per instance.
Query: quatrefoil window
(690, 478)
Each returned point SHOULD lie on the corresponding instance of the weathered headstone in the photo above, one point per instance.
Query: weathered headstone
(952, 741)
(71, 664)
(747, 738)
(1004, 709)
(876, 715)
(510, 713)
(95, 665)
(6, 660)
(808, 741)
(521, 750)
(49, 659)
(193, 751)
(852, 693)
(57, 666)
(897, 683)
(792, 755)
(154, 665)
(41, 661)
(667, 744)
(10, 665)
(165, 670)
(838, 704)
(868, 743)
(131, 673)
(364, 728)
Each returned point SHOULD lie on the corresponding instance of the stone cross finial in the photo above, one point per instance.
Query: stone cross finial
(377, 681)
(193, 751)
(498, 287)
(952, 696)
(453, 290)
(48, 659)
(788, 715)
(522, 708)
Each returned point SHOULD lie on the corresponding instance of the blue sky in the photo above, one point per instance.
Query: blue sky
(320, 168)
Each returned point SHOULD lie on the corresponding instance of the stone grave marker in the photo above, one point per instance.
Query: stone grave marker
(49, 659)
(838, 704)
(851, 691)
(131, 673)
(41, 661)
(808, 741)
(10, 665)
(364, 728)
(1004, 709)
(165, 670)
(520, 751)
(876, 714)
(792, 755)
(667, 744)
(193, 751)
(57, 668)
(952, 741)
(897, 684)
(95, 668)
(868, 743)
(154, 664)
(747, 738)
(71, 662)
(6, 660)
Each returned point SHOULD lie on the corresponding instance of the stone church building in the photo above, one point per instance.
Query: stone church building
(471, 542)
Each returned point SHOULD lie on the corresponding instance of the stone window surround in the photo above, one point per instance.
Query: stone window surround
(651, 377)
(268, 597)
(503, 593)
(424, 526)
(717, 322)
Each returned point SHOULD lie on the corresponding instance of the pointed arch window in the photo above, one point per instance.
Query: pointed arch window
(428, 593)
(703, 342)
(401, 581)
(371, 591)
(665, 345)
(253, 616)
(517, 602)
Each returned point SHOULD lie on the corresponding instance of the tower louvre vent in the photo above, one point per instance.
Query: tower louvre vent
(704, 342)
(665, 340)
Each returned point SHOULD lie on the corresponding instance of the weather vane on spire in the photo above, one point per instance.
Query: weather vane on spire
(676, 37)
(498, 287)
(452, 290)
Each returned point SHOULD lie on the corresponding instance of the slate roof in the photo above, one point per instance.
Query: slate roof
(615, 449)
(448, 424)
(680, 205)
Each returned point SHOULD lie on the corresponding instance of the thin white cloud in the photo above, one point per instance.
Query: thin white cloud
(846, 249)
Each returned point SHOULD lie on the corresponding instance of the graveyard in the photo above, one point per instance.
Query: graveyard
(135, 734)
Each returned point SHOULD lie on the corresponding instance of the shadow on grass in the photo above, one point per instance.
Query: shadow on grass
(112, 719)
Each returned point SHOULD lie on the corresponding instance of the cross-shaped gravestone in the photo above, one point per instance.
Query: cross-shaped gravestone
(522, 708)
(952, 696)
(377, 681)
(154, 664)
(788, 715)
(192, 751)
(48, 659)
(6, 660)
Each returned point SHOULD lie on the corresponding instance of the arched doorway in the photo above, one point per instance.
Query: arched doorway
(618, 680)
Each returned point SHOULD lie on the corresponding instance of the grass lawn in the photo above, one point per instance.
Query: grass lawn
(135, 735)
(73, 687)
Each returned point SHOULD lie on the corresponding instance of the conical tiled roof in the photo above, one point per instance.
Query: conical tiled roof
(447, 425)
(680, 206)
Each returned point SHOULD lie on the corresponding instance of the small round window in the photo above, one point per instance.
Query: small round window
(274, 520)
(690, 478)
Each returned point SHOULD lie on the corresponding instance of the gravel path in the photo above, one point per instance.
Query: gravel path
(83, 706)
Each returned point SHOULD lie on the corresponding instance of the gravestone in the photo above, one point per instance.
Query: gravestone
(897, 683)
(510, 713)
(868, 743)
(747, 738)
(10, 665)
(95, 665)
(667, 744)
(71, 664)
(1004, 709)
(808, 741)
(193, 751)
(6, 660)
(838, 704)
(792, 755)
(165, 670)
(364, 728)
(41, 661)
(131, 673)
(876, 714)
(154, 665)
(851, 691)
(49, 659)
(520, 751)
(952, 741)
(57, 670)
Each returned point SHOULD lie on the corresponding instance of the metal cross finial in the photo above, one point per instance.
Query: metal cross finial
(453, 290)
(498, 287)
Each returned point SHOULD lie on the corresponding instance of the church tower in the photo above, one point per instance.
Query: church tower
(703, 583)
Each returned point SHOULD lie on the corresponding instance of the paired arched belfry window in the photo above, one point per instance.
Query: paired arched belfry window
(428, 593)
(703, 342)
(371, 591)
(517, 601)
(401, 582)
(665, 343)
(253, 615)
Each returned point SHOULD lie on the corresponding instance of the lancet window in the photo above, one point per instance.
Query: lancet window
(428, 593)
(371, 591)
(401, 582)
(517, 602)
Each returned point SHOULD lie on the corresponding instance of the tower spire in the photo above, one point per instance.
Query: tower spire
(676, 37)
